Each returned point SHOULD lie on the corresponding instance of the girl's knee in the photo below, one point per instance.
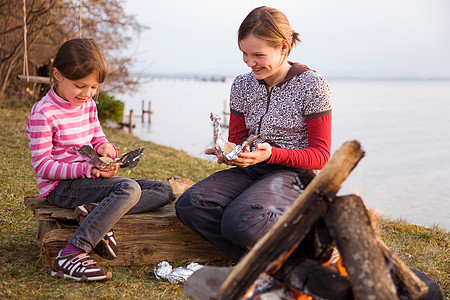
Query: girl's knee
(131, 188)
(246, 225)
(167, 190)
(183, 206)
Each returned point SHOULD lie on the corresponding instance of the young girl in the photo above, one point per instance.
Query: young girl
(288, 106)
(65, 118)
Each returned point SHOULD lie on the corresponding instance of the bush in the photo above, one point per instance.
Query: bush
(109, 109)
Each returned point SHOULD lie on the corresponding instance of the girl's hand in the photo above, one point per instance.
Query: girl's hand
(262, 153)
(107, 149)
(106, 173)
(220, 158)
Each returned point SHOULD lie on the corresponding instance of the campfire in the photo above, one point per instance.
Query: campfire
(323, 247)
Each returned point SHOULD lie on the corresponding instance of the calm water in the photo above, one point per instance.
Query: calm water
(402, 125)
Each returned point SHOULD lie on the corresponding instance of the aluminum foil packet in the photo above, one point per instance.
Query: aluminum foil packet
(267, 287)
(128, 160)
(164, 270)
(194, 266)
(179, 275)
(228, 149)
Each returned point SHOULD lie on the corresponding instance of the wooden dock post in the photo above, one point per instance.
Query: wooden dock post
(123, 123)
(130, 123)
(149, 111)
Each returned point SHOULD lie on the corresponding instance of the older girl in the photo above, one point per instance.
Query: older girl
(289, 107)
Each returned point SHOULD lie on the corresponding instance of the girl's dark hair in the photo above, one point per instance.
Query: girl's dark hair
(270, 25)
(78, 58)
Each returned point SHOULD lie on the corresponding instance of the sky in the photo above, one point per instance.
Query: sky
(345, 38)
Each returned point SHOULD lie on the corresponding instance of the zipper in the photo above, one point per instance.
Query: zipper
(269, 93)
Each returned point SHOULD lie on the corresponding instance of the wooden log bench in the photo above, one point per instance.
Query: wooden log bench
(146, 238)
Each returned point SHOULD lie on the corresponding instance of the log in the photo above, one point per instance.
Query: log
(146, 238)
(349, 224)
(148, 247)
(409, 281)
(293, 226)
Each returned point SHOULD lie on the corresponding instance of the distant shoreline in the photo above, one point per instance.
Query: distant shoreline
(221, 78)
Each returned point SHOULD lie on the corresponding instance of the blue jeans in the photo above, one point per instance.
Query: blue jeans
(116, 196)
(234, 208)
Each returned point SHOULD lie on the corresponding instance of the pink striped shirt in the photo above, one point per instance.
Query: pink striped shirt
(53, 128)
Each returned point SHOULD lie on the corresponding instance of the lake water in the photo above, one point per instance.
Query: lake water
(403, 126)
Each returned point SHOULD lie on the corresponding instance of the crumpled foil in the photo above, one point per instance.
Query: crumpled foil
(127, 160)
(164, 270)
(222, 145)
(179, 275)
(267, 287)
(194, 266)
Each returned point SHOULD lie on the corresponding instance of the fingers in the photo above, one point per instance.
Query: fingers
(262, 153)
(106, 173)
(220, 158)
(106, 149)
(211, 151)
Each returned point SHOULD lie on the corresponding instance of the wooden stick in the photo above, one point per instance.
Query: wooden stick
(36, 79)
(412, 284)
(292, 227)
(349, 224)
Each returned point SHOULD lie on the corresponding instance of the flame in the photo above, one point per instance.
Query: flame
(296, 295)
(275, 266)
(335, 262)
(249, 292)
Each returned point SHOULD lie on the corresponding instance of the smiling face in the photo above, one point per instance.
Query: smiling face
(77, 92)
(268, 63)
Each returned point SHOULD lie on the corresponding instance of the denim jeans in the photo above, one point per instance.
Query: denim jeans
(116, 196)
(234, 208)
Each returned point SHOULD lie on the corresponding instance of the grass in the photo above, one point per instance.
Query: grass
(22, 275)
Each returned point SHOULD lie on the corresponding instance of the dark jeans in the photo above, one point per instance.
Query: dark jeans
(234, 208)
(116, 196)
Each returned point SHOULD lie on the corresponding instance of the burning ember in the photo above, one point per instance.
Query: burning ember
(267, 287)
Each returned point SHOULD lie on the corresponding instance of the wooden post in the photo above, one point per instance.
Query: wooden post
(123, 123)
(292, 227)
(143, 110)
(349, 224)
(149, 111)
(131, 123)
(410, 282)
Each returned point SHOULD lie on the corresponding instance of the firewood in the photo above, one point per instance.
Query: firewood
(293, 226)
(349, 224)
(410, 282)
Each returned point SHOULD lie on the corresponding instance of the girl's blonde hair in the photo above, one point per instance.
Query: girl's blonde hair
(78, 58)
(270, 25)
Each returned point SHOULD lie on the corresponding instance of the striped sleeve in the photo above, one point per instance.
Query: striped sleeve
(40, 134)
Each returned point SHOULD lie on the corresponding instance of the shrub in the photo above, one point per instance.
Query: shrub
(109, 109)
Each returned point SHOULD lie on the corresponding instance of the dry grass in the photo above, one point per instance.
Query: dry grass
(22, 275)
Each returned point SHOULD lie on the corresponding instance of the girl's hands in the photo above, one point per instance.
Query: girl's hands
(107, 149)
(105, 173)
(246, 158)
(262, 153)
(220, 158)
